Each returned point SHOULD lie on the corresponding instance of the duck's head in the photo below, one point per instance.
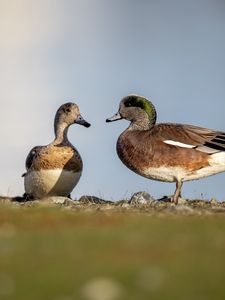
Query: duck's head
(68, 114)
(137, 109)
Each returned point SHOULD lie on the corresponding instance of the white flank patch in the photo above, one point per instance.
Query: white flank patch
(171, 174)
(182, 145)
(56, 182)
(167, 174)
(218, 159)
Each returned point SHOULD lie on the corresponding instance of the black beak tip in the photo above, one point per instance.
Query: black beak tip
(82, 122)
(107, 120)
(87, 124)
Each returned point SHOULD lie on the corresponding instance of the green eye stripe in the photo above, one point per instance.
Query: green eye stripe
(147, 106)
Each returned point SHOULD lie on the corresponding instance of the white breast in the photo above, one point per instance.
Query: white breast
(55, 182)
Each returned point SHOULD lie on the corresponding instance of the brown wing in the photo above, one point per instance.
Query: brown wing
(203, 139)
(55, 156)
(141, 150)
(30, 157)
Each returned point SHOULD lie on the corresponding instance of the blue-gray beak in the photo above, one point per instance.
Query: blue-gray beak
(80, 120)
(116, 117)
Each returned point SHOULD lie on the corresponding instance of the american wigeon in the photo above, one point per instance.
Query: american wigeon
(167, 152)
(55, 169)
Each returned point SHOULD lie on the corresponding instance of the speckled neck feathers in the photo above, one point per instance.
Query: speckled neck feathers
(61, 130)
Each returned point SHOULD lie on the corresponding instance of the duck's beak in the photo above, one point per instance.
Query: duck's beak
(116, 117)
(80, 120)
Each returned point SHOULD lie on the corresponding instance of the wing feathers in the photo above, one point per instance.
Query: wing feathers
(188, 136)
(179, 144)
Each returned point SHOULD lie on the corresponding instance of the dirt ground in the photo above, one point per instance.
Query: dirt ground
(140, 202)
(92, 249)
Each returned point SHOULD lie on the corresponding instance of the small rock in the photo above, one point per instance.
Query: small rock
(93, 200)
(141, 198)
(70, 203)
(55, 200)
(121, 203)
(214, 201)
(125, 204)
(30, 203)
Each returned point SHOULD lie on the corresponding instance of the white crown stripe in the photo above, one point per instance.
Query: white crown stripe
(182, 145)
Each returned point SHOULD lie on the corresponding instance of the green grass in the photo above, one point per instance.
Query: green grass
(52, 253)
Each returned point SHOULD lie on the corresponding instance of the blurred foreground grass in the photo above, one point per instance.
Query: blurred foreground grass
(58, 254)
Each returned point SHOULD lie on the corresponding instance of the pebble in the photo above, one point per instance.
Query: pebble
(139, 202)
(93, 200)
(57, 200)
(141, 198)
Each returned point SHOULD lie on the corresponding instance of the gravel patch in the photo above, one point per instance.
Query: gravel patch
(140, 202)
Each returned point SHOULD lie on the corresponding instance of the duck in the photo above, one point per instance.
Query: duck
(55, 169)
(167, 152)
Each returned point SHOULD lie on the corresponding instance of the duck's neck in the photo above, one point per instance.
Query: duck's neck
(141, 124)
(61, 130)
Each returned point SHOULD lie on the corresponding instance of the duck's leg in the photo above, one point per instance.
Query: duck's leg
(27, 197)
(177, 192)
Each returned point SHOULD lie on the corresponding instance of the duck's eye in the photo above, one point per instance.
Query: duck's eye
(66, 110)
(128, 104)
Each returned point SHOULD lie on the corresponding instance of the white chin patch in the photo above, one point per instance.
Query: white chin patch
(178, 144)
(56, 182)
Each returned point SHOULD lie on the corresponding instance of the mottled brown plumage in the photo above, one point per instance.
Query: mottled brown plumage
(53, 156)
(55, 169)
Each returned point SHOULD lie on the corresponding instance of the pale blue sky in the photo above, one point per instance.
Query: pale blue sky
(94, 52)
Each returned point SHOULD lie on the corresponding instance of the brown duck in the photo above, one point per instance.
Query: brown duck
(167, 152)
(55, 169)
